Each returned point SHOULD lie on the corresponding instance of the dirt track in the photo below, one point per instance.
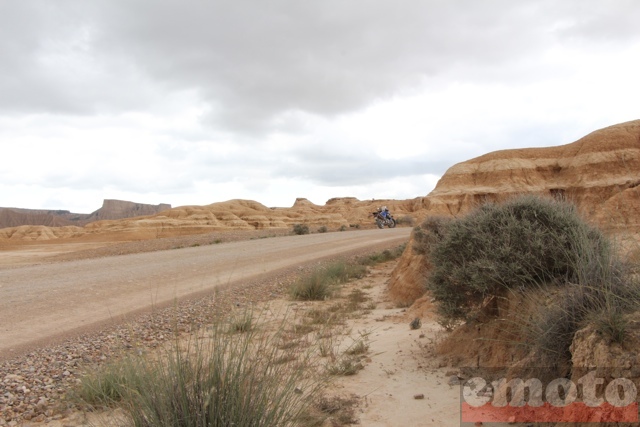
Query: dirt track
(42, 301)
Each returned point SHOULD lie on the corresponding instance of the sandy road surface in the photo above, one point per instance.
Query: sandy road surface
(42, 301)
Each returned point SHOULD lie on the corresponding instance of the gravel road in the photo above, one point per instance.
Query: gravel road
(42, 302)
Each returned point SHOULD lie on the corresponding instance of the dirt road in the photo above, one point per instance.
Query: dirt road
(42, 301)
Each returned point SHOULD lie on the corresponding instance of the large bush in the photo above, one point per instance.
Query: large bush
(523, 242)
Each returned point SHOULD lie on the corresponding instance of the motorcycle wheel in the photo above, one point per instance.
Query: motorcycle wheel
(392, 223)
(380, 224)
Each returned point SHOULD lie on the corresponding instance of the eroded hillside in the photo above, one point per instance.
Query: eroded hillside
(600, 173)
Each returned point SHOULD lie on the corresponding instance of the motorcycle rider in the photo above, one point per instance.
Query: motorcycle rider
(384, 212)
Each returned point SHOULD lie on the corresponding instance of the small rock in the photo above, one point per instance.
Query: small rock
(415, 323)
(453, 380)
(418, 396)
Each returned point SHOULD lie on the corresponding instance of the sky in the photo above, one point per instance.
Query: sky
(193, 102)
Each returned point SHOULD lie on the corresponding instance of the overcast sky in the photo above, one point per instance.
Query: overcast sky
(195, 102)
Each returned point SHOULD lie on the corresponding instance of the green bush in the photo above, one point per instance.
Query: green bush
(524, 242)
(429, 233)
(300, 229)
(323, 229)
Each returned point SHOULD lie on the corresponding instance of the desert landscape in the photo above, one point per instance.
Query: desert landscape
(411, 366)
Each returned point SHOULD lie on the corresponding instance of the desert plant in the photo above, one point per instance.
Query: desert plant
(345, 366)
(429, 233)
(524, 242)
(319, 284)
(242, 322)
(323, 229)
(216, 380)
(384, 256)
(605, 290)
(300, 229)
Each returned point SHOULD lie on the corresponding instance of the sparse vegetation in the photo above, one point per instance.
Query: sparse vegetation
(242, 372)
(300, 229)
(339, 409)
(242, 322)
(319, 285)
(216, 380)
(323, 229)
(345, 366)
(384, 256)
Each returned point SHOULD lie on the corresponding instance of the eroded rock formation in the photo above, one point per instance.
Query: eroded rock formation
(111, 209)
(600, 173)
(234, 214)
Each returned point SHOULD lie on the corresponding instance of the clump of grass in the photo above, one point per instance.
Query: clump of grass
(311, 288)
(323, 229)
(215, 380)
(242, 322)
(341, 411)
(384, 256)
(349, 363)
(359, 347)
(317, 316)
(604, 292)
(345, 366)
(319, 285)
(326, 347)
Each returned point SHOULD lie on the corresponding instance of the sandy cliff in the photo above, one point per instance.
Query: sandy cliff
(233, 214)
(600, 173)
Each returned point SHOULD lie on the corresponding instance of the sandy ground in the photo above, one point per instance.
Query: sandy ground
(403, 382)
(401, 365)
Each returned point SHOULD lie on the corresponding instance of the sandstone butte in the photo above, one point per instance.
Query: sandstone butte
(600, 173)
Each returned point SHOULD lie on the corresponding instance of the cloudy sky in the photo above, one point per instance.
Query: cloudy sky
(199, 101)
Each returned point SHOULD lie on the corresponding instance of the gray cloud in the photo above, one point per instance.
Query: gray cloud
(253, 61)
(333, 167)
(233, 89)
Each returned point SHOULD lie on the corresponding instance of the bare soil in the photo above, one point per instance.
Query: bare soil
(52, 327)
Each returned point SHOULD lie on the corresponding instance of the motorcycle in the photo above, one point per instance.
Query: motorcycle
(382, 220)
